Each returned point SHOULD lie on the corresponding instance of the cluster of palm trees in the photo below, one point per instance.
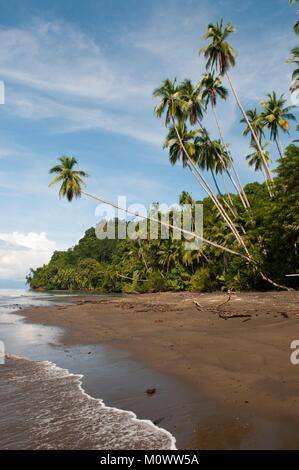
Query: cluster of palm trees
(189, 142)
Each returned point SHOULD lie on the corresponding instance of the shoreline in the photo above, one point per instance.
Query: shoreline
(91, 428)
(239, 368)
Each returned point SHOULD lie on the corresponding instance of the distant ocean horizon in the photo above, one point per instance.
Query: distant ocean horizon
(12, 284)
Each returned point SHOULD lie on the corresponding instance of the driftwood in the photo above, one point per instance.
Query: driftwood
(197, 304)
(226, 316)
(226, 301)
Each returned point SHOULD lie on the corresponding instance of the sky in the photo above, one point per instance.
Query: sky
(78, 79)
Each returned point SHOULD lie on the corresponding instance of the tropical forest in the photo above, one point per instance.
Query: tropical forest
(250, 232)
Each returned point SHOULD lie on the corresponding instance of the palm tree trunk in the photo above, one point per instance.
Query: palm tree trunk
(218, 125)
(243, 200)
(249, 259)
(215, 183)
(239, 187)
(279, 147)
(165, 224)
(142, 255)
(204, 184)
(265, 165)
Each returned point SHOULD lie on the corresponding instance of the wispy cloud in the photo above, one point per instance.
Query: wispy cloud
(55, 72)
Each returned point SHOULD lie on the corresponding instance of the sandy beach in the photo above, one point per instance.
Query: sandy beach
(233, 356)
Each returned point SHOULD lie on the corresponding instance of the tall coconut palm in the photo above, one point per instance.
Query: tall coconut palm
(175, 109)
(221, 56)
(257, 123)
(69, 189)
(254, 158)
(296, 26)
(171, 104)
(211, 89)
(208, 157)
(194, 106)
(276, 117)
(182, 144)
(295, 76)
(71, 179)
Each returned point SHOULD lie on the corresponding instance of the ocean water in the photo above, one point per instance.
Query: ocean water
(46, 403)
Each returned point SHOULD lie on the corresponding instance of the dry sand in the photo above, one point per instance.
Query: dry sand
(240, 365)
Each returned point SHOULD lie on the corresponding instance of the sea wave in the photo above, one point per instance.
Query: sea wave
(43, 406)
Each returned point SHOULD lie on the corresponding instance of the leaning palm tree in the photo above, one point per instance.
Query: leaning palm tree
(296, 26)
(71, 180)
(184, 147)
(192, 101)
(276, 117)
(175, 109)
(71, 186)
(295, 76)
(182, 144)
(254, 158)
(256, 121)
(221, 56)
(193, 109)
(212, 88)
(208, 157)
(171, 103)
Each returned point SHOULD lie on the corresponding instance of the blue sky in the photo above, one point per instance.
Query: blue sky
(79, 77)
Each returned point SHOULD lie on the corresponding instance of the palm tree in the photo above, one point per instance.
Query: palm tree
(176, 108)
(185, 146)
(193, 110)
(254, 158)
(211, 89)
(276, 117)
(295, 76)
(221, 56)
(208, 157)
(256, 121)
(171, 103)
(182, 144)
(71, 179)
(296, 26)
(194, 107)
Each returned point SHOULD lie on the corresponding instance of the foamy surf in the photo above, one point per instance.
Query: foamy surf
(43, 406)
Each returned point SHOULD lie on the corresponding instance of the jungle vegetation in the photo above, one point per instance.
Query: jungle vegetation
(251, 233)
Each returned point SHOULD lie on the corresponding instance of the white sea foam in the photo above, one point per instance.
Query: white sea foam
(44, 406)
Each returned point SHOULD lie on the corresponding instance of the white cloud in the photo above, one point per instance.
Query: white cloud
(21, 251)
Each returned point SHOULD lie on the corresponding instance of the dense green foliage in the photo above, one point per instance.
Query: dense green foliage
(251, 236)
(272, 233)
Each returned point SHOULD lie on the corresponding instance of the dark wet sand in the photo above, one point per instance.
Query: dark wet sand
(243, 392)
